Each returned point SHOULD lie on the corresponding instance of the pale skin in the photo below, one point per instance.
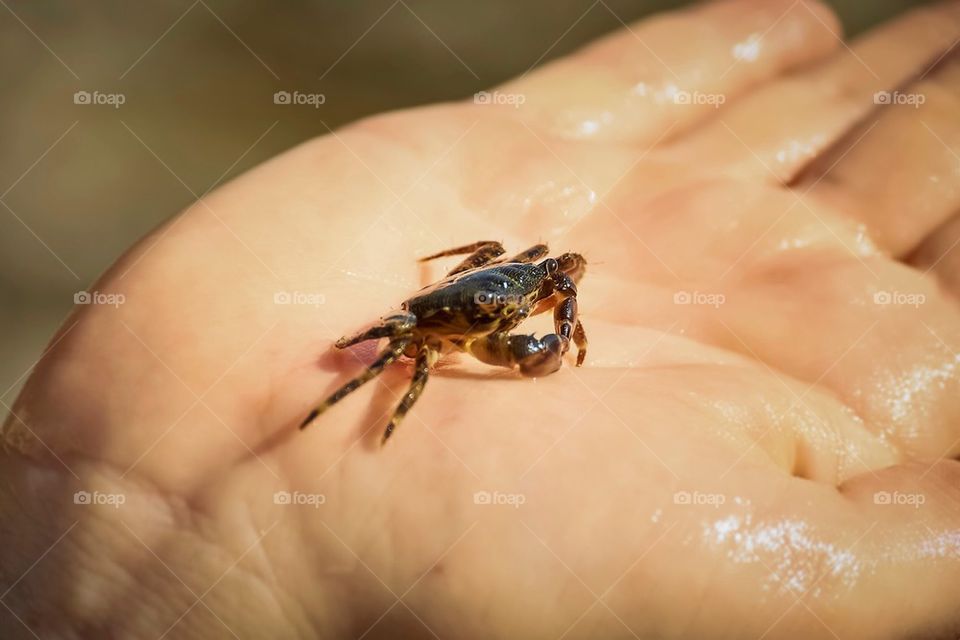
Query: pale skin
(780, 394)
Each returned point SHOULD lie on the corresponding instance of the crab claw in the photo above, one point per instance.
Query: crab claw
(543, 356)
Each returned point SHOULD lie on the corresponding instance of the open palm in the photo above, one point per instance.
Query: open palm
(759, 444)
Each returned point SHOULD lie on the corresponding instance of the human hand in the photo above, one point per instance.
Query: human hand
(760, 443)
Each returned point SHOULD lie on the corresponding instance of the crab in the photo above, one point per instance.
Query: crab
(473, 309)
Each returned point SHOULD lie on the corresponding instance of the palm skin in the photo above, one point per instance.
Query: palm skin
(711, 471)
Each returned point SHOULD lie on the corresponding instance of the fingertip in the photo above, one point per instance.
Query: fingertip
(824, 14)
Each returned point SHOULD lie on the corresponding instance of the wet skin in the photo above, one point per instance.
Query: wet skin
(762, 441)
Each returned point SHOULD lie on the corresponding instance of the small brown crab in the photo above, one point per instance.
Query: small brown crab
(473, 309)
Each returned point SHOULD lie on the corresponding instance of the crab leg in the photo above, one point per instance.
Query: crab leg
(565, 313)
(535, 252)
(580, 339)
(481, 253)
(389, 327)
(565, 318)
(571, 267)
(393, 351)
(572, 264)
(457, 251)
(420, 374)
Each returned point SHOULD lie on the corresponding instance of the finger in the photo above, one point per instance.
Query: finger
(812, 562)
(899, 174)
(671, 71)
(912, 518)
(799, 293)
(818, 556)
(885, 343)
(782, 126)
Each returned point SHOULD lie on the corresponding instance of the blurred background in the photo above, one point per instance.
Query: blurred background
(116, 115)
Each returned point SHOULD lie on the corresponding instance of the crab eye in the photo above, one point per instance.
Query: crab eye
(550, 265)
